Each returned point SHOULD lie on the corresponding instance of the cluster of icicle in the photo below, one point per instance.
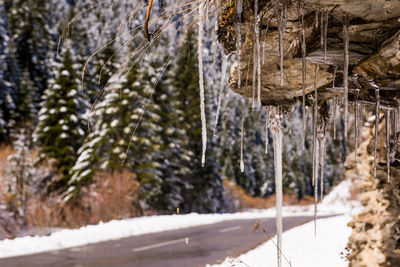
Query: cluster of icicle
(274, 116)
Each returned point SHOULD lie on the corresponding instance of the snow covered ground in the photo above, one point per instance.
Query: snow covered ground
(301, 248)
(334, 203)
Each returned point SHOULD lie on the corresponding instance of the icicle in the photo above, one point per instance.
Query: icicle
(221, 89)
(322, 162)
(207, 10)
(335, 104)
(266, 128)
(377, 107)
(258, 53)
(356, 126)
(326, 32)
(315, 174)
(263, 52)
(322, 28)
(361, 117)
(239, 4)
(253, 94)
(281, 26)
(387, 121)
(276, 129)
(201, 84)
(316, 19)
(396, 119)
(345, 74)
(303, 66)
(315, 125)
(241, 141)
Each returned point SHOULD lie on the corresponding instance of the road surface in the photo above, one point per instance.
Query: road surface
(195, 246)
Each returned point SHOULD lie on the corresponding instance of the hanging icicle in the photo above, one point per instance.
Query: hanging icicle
(276, 130)
(396, 122)
(253, 93)
(315, 174)
(315, 125)
(346, 74)
(377, 107)
(356, 126)
(326, 21)
(266, 128)
(201, 84)
(316, 18)
(281, 26)
(321, 24)
(387, 121)
(207, 11)
(263, 52)
(303, 66)
(221, 89)
(258, 52)
(321, 133)
(335, 104)
(241, 139)
(322, 160)
(361, 119)
(239, 4)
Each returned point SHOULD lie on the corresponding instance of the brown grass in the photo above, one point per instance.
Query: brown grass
(5, 151)
(111, 196)
(247, 201)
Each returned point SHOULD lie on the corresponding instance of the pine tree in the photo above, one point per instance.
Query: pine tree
(8, 77)
(25, 110)
(116, 117)
(60, 130)
(30, 33)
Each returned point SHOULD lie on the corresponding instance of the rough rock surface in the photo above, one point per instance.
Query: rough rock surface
(375, 237)
(374, 32)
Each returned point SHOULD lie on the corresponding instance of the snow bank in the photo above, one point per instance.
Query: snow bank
(301, 248)
(334, 203)
(299, 244)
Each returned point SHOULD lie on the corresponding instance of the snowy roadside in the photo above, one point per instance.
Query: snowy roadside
(301, 248)
(334, 203)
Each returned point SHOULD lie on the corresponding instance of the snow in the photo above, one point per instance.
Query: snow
(301, 248)
(336, 202)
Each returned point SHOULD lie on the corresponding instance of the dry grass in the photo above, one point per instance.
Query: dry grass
(247, 201)
(5, 151)
(111, 196)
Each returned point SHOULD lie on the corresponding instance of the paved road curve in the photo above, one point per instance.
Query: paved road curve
(195, 246)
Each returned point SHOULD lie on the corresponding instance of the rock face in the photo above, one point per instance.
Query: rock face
(374, 34)
(374, 63)
(375, 239)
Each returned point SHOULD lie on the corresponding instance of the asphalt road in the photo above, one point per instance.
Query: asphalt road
(195, 246)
